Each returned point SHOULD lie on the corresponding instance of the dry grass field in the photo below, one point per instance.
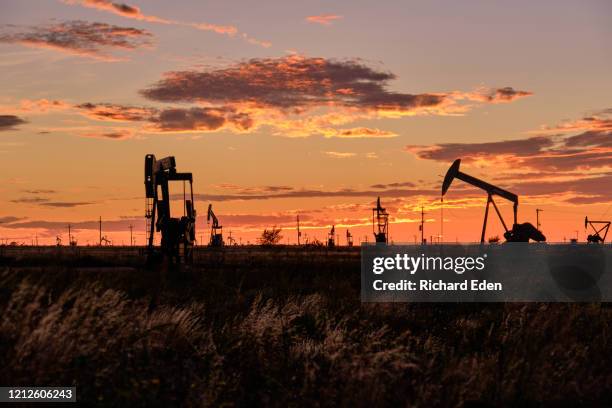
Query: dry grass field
(282, 327)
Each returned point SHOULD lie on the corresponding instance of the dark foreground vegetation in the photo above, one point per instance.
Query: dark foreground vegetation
(268, 327)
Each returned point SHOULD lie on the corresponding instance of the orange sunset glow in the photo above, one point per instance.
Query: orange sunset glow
(313, 110)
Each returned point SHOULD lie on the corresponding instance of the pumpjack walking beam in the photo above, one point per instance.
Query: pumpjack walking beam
(177, 234)
(519, 232)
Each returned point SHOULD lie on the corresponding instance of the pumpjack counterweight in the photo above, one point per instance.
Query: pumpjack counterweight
(519, 232)
(177, 234)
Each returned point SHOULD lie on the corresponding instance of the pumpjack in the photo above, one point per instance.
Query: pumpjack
(380, 223)
(349, 238)
(598, 227)
(216, 230)
(519, 232)
(331, 237)
(177, 234)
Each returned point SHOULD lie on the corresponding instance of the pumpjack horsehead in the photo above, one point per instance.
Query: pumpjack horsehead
(519, 232)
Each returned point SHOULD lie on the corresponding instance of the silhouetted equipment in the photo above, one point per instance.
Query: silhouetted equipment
(331, 237)
(299, 233)
(422, 226)
(177, 234)
(216, 230)
(71, 240)
(598, 227)
(230, 239)
(519, 232)
(380, 223)
(538, 211)
(106, 241)
(349, 238)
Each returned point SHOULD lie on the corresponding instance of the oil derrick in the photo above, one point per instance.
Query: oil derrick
(216, 230)
(598, 228)
(230, 239)
(177, 234)
(331, 237)
(519, 232)
(349, 238)
(380, 223)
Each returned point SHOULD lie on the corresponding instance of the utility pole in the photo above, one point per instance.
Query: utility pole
(69, 236)
(538, 211)
(131, 239)
(299, 233)
(100, 230)
(422, 226)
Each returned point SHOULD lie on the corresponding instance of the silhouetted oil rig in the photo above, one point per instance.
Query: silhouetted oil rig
(216, 230)
(177, 234)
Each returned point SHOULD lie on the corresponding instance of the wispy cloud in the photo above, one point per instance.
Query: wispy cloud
(46, 202)
(501, 95)
(135, 13)
(121, 9)
(340, 155)
(361, 132)
(319, 193)
(112, 134)
(323, 19)
(85, 39)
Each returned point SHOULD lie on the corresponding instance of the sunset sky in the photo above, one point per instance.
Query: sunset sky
(313, 108)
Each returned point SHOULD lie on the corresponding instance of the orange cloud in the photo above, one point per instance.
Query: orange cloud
(597, 121)
(573, 167)
(323, 19)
